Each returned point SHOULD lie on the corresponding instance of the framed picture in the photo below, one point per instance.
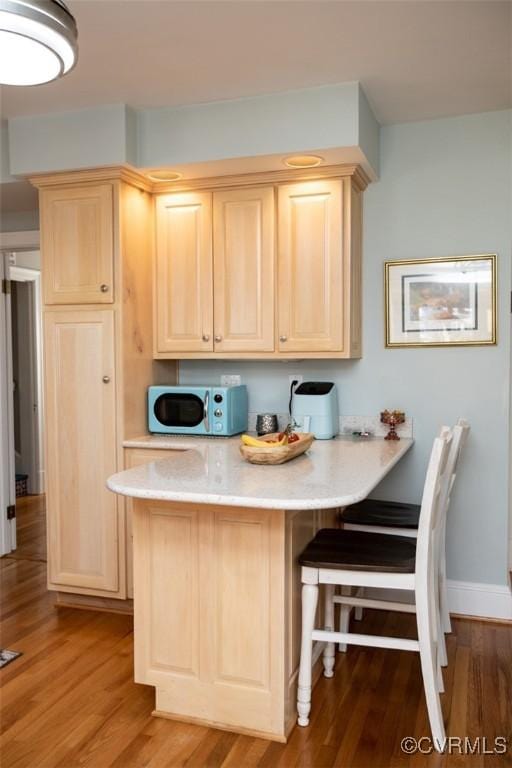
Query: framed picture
(439, 302)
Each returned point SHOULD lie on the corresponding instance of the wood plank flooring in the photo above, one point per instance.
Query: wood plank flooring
(70, 700)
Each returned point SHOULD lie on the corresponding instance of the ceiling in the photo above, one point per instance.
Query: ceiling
(416, 60)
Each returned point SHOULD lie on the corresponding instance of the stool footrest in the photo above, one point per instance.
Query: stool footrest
(373, 641)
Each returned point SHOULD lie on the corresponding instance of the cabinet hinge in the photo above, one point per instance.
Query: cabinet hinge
(6, 286)
(11, 512)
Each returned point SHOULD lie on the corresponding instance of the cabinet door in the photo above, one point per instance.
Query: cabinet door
(243, 258)
(310, 300)
(77, 245)
(83, 532)
(134, 457)
(183, 279)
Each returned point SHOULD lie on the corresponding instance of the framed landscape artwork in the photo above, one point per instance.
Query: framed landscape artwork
(440, 302)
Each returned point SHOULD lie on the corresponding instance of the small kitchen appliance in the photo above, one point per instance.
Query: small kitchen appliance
(184, 410)
(315, 409)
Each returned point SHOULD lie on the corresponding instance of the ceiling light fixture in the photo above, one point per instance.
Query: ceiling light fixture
(38, 41)
(164, 175)
(303, 161)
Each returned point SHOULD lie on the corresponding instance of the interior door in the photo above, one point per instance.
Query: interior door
(84, 534)
(77, 244)
(243, 258)
(7, 461)
(183, 279)
(310, 263)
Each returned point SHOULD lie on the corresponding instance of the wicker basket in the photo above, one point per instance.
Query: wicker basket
(277, 454)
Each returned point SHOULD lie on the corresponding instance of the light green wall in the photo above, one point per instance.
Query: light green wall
(445, 189)
(325, 117)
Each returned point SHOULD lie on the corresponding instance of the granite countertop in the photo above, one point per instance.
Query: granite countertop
(210, 470)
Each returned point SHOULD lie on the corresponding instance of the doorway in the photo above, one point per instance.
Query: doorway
(22, 426)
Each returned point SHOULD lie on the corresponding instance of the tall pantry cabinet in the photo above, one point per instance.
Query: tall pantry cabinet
(96, 250)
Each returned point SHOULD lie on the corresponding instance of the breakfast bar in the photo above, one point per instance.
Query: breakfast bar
(216, 582)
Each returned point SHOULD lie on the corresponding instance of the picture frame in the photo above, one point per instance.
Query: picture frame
(438, 302)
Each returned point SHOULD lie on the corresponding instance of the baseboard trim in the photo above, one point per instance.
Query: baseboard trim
(486, 601)
(465, 598)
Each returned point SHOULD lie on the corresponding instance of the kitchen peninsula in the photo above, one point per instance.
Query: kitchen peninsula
(216, 584)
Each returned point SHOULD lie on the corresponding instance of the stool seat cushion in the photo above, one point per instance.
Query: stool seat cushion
(391, 514)
(359, 551)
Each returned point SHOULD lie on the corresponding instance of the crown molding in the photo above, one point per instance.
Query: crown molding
(354, 171)
(92, 175)
(131, 176)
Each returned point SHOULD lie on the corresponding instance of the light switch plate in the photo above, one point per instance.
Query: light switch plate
(230, 380)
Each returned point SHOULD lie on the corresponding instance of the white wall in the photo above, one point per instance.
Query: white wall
(19, 221)
(445, 189)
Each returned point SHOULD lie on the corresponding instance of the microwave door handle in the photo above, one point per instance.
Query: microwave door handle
(205, 412)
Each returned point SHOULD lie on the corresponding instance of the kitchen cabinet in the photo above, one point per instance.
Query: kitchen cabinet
(85, 531)
(218, 267)
(77, 244)
(243, 267)
(134, 457)
(310, 227)
(97, 229)
(183, 273)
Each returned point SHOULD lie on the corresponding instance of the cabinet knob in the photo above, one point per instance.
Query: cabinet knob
(218, 338)
(206, 337)
(283, 338)
(104, 288)
(106, 379)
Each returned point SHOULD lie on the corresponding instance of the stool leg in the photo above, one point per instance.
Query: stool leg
(344, 618)
(329, 652)
(426, 621)
(309, 603)
(443, 592)
(358, 610)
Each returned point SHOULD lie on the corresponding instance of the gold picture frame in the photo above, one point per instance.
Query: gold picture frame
(440, 302)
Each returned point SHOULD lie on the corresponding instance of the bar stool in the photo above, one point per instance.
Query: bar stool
(397, 519)
(359, 559)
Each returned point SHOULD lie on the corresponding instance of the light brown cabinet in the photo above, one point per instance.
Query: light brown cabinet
(311, 296)
(135, 457)
(301, 299)
(183, 273)
(77, 245)
(243, 268)
(84, 527)
(97, 230)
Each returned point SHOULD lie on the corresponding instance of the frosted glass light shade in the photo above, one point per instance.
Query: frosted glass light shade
(38, 41)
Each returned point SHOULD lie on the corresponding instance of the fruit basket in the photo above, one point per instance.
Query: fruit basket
(271, 450)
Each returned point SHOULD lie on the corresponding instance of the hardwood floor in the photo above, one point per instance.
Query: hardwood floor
(70, 700)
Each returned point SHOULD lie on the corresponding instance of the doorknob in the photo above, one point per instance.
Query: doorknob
(218, 338)
(104, 288)
(106, 379)
(206, 337)
(283, 338)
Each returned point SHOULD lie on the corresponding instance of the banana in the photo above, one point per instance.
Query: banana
(254, 442)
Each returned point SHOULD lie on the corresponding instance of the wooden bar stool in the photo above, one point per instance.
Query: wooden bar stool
(359, 559)
(397, 519)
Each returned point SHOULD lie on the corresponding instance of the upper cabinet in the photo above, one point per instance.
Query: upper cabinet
(263, 272)
(243, 268)
(183, 273)
(310, 265)
(77, 244)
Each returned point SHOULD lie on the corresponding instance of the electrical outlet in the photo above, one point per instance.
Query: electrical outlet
(230, 380)
(295, 377)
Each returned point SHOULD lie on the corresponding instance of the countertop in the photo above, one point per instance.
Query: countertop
(333, 473)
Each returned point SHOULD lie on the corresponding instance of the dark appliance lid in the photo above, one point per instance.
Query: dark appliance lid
(314, 388)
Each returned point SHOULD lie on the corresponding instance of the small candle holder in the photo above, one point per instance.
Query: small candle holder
(392, 419)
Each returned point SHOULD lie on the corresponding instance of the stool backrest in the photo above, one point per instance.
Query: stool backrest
(435, 492)
(460, 433)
